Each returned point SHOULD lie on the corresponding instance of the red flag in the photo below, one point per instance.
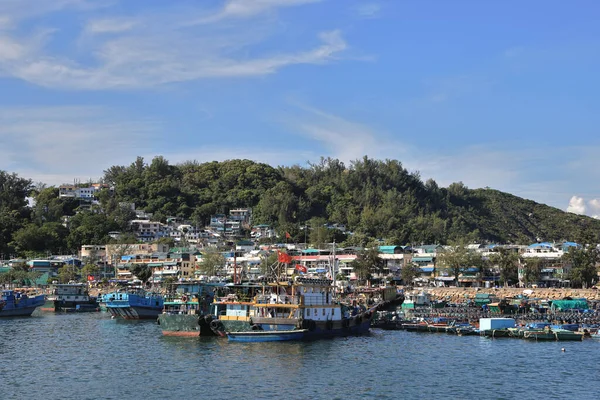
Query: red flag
(287, 235)
(301, 268)
(283, 257)
(90, 278)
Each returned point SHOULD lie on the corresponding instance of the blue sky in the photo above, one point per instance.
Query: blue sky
(499, 94)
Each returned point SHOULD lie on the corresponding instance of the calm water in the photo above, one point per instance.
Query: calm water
(90, 356)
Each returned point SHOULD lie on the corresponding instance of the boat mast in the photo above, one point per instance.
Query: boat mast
(333, 265)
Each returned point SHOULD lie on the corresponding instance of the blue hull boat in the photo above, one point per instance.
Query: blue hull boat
(134, 304)
(14, 304)
(267, 336)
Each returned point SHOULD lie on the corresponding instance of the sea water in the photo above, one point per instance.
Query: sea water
(91, 356)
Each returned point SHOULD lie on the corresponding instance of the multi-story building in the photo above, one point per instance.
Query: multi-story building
(148, 231)
(82, 192)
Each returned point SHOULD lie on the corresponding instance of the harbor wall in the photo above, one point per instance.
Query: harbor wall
(460, 294)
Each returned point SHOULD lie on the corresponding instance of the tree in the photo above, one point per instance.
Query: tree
(457, 259)
(367, 263)
(142, 271)
(212, 262)
(508, 264)
(532, 268)
(66, 273)
(89, 269)
(409, 273)
(584, 260)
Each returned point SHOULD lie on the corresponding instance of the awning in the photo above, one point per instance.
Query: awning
(426, 269)
(422, 259)
(169, 264)
(155, 264)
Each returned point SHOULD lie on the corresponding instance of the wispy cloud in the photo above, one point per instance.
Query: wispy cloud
(368, 10)
(249, 8)
(112, 25)
(150, 50)
(58, 142)
(343, 139)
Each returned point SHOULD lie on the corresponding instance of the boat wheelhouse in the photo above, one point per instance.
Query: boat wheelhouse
(71, 297)
(134, 303)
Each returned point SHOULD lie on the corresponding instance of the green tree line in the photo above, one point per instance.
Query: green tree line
(374, 199)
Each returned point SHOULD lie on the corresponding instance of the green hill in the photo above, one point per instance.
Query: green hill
(374, 199)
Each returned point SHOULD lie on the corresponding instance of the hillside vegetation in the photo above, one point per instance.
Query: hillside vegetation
(374, 199)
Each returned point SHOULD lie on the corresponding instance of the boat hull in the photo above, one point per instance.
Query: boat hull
(190, 325)
(18, 312)
(135, 312)
(267, 336)
(75, 306)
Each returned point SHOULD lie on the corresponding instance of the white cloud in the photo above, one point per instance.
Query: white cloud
(368, 10)
(150, 50)
(594, 206)
(112, 25)
(250, 8)
(63, 143)
(577, 205)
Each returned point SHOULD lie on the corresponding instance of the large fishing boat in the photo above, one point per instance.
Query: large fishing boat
(72, 297)
(134, 303)
(308, 306)
(185, 311)
(16, 304)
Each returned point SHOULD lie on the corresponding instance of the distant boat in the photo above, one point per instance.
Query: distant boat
(15, 304)
(134, 303)
(72, 297)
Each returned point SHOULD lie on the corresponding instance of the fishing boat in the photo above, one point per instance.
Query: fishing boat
(16, 304)
(308, 305)
(135, 303)
(72, 297)
(416, 300)
(186, 310)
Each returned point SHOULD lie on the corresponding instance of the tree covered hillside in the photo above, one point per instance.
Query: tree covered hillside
(374, 199)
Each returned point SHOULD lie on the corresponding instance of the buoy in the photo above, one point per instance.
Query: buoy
(563, 350)
(112, 317)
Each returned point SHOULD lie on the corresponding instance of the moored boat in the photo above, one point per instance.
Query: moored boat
(267, 336)
(135, 303)
(16, 304)
(186, 314)
(71, 297)
(305, 304)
